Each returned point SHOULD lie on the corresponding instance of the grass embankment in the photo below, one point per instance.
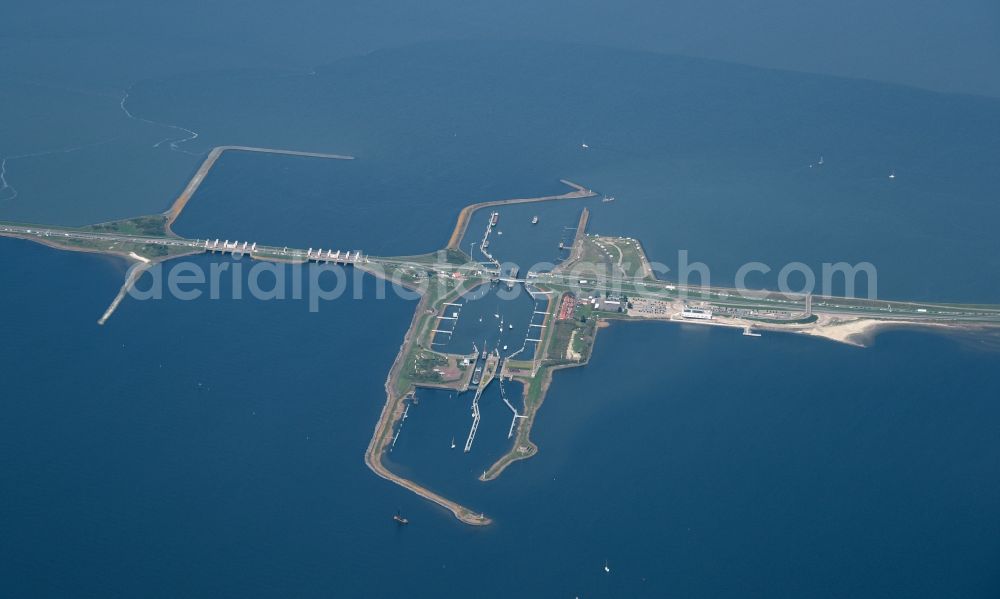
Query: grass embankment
(420, 272)
(428, 368)
(152, 251)
(148, 226)
(399, 386)
(421, 331)
(446, 256)
(802, 320)
(572, 341)
(615, 256)
(536, 376)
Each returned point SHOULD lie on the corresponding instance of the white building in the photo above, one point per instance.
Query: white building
(696, 313)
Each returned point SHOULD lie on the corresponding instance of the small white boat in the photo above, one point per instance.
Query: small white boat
(606, 568)
(453, 442)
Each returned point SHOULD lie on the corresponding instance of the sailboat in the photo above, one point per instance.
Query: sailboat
(453, 442)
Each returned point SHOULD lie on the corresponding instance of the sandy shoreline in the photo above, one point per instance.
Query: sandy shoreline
(848, 329)
(856, 331)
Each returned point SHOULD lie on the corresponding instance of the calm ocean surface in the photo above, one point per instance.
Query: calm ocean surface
(215, 447)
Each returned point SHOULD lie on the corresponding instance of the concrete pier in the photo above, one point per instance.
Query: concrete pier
(489, 372)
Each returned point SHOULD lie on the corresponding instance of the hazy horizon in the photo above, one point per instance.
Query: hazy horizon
(943, 46)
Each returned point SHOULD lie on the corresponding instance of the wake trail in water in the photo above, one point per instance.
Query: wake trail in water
(174, 143)
(8, 192)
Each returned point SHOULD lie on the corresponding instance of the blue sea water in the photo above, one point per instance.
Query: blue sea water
(704, 156)
(515, 240)
(492, 317)
(701, 156)
(214, 447)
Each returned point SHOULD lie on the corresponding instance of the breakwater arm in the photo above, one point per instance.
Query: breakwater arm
(213, 156)
(462, 224)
